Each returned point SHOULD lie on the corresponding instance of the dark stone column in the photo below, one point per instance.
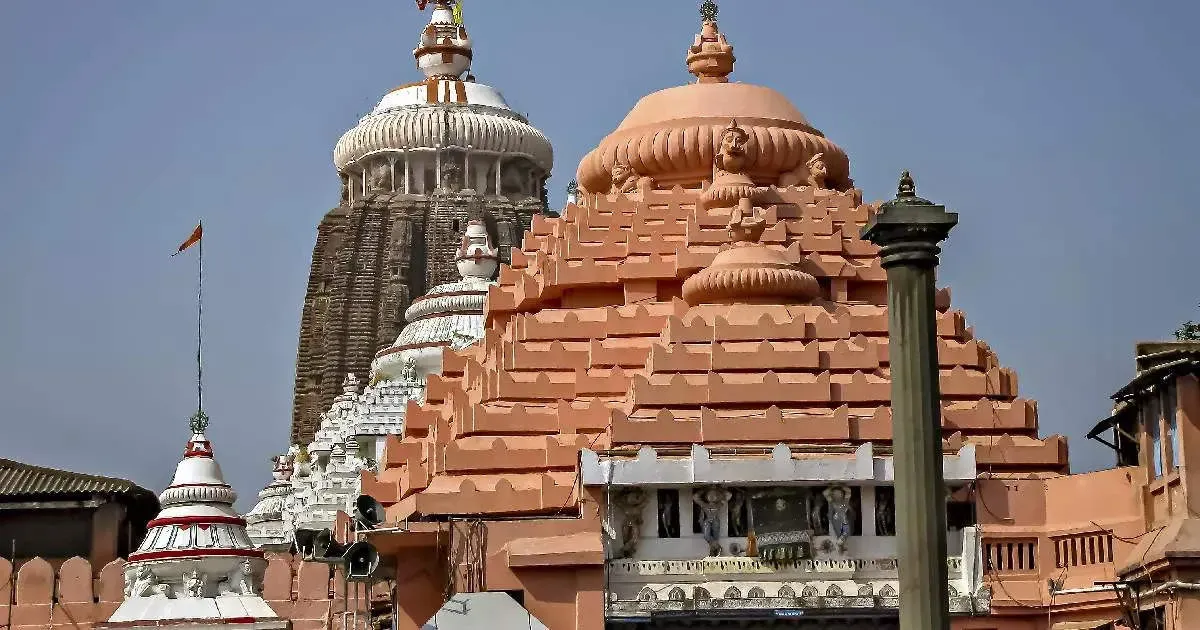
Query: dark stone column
(909, 229)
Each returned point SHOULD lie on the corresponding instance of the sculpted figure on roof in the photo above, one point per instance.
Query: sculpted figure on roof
(626, 180)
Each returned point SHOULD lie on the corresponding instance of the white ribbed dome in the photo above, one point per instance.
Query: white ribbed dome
(429, 126)
(444, 110)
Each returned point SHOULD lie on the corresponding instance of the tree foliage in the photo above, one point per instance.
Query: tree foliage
(1189, 331)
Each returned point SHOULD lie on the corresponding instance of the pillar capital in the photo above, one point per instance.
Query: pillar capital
(909, 228)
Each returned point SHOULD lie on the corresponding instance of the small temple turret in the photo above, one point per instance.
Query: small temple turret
(444, 49)
(196, 567)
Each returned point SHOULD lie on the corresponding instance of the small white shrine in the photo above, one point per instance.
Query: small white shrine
(196, 567)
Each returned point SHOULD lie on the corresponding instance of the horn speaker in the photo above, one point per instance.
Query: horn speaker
(360, 561)
(368, 513)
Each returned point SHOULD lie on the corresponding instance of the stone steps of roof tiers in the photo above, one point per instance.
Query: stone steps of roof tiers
(569, 325)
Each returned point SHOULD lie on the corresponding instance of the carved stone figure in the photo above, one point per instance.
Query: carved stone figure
(737, 513)
(712, 502)
(141, 582)
(345, 190)
(731, 156)
(380, 178)
(668, 514)
(193, 584)
(240, 581)
(840, 514)
(730, 184)
(450, 180)
(626, 180)
(813, 173)
(631, 503)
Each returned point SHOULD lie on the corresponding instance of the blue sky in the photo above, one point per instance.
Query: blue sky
(1064, 133)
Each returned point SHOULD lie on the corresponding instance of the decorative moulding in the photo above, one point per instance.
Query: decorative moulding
(781, 467)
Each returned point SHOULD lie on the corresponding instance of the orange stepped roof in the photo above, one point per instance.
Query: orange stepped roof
(590, 343)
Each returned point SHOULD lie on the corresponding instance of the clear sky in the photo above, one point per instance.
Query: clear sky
(1064, 133)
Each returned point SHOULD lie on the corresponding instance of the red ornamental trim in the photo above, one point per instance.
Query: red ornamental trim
(447, 314)
(194, 553)
(196, 520)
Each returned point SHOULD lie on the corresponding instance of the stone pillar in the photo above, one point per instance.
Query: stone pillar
(466, 180)
(437, 169)
(408, 173)
(908, 229)
(498, 180)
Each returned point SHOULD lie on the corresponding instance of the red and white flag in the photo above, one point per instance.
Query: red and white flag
(197, 234)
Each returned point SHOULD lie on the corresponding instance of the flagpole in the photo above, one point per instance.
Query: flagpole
(199, 326)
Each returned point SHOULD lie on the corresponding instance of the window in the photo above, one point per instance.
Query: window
(668, 513)
(1151, 422)
(1169, 403)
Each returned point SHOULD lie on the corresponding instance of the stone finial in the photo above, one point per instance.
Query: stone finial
(710, 57)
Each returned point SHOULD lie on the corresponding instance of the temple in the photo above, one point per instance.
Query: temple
(431, 156)
(671, 406)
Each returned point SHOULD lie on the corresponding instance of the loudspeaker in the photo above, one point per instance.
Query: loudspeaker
(360, 561)
(302, 542)
(326, 549)
(368, 513)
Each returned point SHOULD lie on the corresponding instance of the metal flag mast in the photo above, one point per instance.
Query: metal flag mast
(199, 420)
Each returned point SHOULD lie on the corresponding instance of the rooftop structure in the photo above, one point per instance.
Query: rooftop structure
(683, 391)
(307, 491)
(196, 568)
(430, 157)
(57, 514)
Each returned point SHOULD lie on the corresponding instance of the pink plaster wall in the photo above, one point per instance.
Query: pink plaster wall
(307, 593)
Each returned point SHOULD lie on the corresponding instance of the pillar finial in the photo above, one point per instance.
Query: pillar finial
(709, 10)
(907, 187)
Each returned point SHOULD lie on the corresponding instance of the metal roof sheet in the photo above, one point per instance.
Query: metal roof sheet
(26, 480)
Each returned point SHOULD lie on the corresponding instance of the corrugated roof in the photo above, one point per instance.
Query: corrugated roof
(26, 480)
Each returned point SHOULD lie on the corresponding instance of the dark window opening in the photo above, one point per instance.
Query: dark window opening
(959, 515)
(668, 513)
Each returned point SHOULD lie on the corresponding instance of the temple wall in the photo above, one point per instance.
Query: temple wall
(78, 595)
